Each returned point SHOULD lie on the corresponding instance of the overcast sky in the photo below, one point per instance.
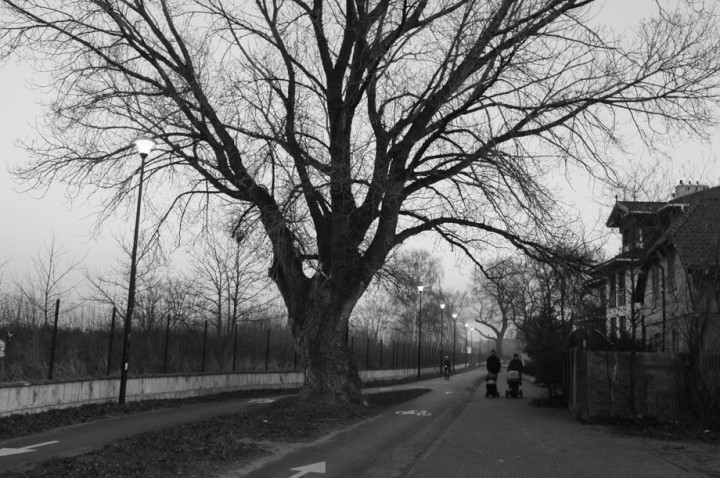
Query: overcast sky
(30, 219)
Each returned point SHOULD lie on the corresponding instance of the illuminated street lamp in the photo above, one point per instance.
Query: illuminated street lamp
(454, 316)
(442, 323)
(471, 342)
(419, 324)
(144, 146)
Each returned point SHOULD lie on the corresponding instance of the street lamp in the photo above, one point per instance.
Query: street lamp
(442, 323)
(144, 146)
(471, 342)
(419, 321)
(454, 316)
(466, 354)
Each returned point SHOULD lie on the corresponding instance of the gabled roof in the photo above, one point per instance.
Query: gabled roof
(693, 230)
(625, 208)
(696, 234)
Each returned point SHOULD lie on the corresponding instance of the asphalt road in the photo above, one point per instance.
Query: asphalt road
(386, 445)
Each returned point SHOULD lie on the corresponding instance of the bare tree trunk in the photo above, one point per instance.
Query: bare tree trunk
(320, 343)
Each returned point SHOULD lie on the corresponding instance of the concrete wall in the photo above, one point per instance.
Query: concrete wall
(39, 398)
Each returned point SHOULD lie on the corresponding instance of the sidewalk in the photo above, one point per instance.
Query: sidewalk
(509, 438)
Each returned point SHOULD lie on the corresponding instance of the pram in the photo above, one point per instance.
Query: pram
(514, 383)
(491, 385)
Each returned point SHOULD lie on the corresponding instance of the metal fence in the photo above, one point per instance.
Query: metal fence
(66, 353)
(602, 383)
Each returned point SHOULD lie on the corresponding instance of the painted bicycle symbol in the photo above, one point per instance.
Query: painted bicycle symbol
(419, 413)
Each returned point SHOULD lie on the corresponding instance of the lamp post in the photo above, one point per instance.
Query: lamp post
(471, 343)
(419, 323)
(144, 145)
(466, 354)
(442, 323)
(454, 316)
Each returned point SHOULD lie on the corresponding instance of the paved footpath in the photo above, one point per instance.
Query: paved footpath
(509, 438)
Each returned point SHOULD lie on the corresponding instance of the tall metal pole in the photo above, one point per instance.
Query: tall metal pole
(442, 323)
(204, 349)
(133, 272)
(471, 345)
(167, 344)
(110, 345)
(466, 354)
(454, 337)
(54, 339)
(235, 333)
(419, 321)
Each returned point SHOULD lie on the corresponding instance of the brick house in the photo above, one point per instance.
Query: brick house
(665, 278)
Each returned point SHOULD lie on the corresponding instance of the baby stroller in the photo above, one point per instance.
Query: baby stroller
(491, 385)
(514, 382)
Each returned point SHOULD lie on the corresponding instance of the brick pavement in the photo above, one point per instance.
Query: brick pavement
(509, 438)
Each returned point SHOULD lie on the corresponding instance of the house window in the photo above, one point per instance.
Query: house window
(671, 271)
(623, 325)
(621, 288)
(613, 327)
(613, 292)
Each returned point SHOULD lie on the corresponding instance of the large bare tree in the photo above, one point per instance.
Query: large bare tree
(497, 292)
(342, 129)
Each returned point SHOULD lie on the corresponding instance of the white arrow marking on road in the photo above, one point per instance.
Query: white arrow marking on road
(448, 393)
(27, 449)
(261, 400)
(304, 470)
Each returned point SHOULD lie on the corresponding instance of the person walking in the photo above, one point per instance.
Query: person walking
(493, 363)
(516, 364)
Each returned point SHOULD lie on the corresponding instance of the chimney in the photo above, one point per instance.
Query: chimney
(689, 188)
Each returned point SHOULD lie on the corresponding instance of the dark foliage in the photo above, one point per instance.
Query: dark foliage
(546, 339)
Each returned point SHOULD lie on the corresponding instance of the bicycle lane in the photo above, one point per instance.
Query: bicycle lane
(382, 446)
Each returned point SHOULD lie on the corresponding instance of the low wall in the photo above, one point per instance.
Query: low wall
(42, 397)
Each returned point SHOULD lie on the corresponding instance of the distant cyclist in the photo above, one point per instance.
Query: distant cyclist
(447, 366)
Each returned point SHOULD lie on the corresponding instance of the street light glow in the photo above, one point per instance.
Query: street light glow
(419, 326)
(144, 145)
